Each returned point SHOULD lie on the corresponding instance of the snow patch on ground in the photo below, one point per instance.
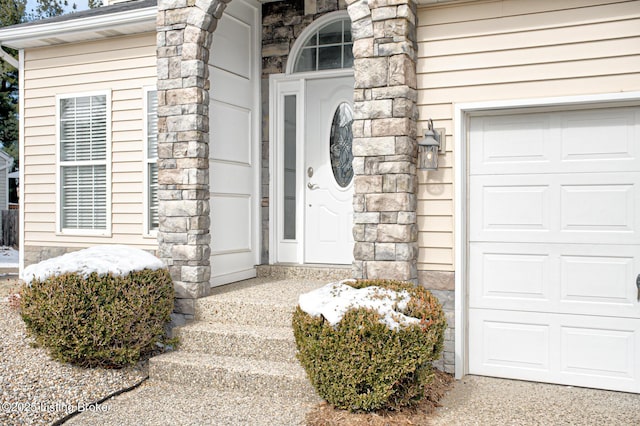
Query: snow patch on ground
(117, 259)
(9, 257)
(333, 300)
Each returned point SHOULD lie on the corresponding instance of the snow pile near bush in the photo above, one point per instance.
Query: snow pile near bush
(333, 300)
(118, 259)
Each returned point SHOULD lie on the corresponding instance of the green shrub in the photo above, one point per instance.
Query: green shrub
(361, 364)
(108, 321)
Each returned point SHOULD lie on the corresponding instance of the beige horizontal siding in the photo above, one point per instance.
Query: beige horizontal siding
(123, 66)
(511, 49)
(91, 51)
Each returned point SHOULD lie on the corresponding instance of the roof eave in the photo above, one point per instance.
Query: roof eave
(81, 29)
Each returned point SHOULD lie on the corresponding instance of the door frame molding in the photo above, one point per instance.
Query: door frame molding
(280, 85)
(462, 114)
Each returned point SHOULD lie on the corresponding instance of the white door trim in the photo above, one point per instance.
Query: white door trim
(279, 86)
(462, 112)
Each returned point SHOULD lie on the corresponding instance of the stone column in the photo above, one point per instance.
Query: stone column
(384, 145)
(184, 31)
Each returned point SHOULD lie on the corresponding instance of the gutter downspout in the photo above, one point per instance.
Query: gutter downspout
(8, 58)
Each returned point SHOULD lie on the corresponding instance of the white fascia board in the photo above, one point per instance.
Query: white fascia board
(89, 28)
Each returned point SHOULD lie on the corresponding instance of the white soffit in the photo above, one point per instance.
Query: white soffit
(81, 29)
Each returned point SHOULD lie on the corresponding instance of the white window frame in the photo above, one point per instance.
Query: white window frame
(147, 230)
(306, 34)
(60, 164)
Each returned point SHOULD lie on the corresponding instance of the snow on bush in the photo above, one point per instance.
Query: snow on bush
(118, 259)
(333, 300)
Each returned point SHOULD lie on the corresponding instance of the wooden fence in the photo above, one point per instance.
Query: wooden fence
(10, 228)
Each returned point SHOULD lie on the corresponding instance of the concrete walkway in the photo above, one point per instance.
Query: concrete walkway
(473, 401)
(489, 401)
(156, 403)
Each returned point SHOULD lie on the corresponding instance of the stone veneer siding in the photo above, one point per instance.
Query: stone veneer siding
(185, 30)
(384, 147)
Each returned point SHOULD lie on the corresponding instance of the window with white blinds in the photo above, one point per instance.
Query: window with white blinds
(84, 154)
(151, 159)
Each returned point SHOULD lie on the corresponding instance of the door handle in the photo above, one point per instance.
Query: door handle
(638, 286)
(313, 186)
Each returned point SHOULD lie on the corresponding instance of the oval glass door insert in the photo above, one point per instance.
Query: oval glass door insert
(340, 141)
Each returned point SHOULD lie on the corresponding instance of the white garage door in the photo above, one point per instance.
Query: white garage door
(554, 247)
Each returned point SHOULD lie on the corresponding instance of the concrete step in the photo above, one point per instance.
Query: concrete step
(241, 341)
(326, 273)
(258, 302)
(245, 341)
(244, 312)
(224, 373)
(160, 403)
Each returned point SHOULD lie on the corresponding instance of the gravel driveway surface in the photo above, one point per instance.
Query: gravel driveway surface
(34, 390)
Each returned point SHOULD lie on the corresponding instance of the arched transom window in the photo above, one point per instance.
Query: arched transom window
(328, 48)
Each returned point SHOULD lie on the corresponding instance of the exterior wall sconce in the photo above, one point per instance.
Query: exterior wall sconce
(429, 147)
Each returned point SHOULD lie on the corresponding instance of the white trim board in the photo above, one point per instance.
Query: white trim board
(21, 184)
(462, 112)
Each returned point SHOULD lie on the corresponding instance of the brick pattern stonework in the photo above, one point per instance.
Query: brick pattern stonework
(384, 146)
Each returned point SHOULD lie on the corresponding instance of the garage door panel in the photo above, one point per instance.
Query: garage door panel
(598, 352)
(604, 207)
(555, 278)
(617, 125)
(557, 142)
(558, 348)
(508, 346)
(515, 207)
(597, 208)
(528, 345)
(599, 279)
(502, 274)
(506, 143)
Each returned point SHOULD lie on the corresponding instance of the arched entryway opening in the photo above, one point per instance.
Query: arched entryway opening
(384, 130)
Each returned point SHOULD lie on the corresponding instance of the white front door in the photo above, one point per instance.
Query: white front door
(327, 174)
(234, 159)
(554, 246)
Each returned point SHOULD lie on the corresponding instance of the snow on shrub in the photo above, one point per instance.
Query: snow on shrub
(118, 260)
